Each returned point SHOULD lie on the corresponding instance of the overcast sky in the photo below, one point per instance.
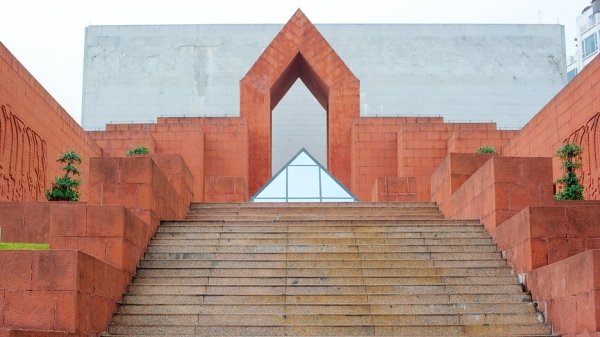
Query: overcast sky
(48, 36)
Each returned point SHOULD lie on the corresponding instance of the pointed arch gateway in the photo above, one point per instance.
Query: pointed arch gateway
(299, 51)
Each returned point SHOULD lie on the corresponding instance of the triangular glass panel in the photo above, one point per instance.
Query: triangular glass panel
(303, 179)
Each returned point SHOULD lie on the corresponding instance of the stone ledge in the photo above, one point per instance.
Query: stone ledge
(538, 236)
(58, 290)
(567, 293)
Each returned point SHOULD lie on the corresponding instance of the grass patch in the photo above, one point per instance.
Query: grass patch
(23, 246)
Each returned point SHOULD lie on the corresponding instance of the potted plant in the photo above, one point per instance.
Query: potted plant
(138, 151)
(486, 150)
(571, 188)
(66, 187)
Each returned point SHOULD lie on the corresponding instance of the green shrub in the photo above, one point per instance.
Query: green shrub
(486, 149)
(65, 188)
(571, 188)
(138, 151)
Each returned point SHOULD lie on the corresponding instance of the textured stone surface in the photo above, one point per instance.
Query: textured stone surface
(282, 274)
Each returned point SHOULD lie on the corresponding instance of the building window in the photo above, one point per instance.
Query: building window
(590, 45)
(571, 74)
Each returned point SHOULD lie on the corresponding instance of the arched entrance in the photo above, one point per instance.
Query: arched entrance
(299, 51)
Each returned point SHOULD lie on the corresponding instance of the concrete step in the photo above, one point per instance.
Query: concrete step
(298, 229)
(328, 309)
(330, 281)
(366, 250)
(425, 236)
(343, 272)
(197, 248)
(386, 299)
(311, 223)
(406, 240)
(416, 289)
(299, 269)
(426, 330)
(371, 260)
(317, 249)
(324, 320)
(324, 270)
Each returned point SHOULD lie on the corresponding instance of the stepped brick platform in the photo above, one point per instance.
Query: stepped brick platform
(373, 269)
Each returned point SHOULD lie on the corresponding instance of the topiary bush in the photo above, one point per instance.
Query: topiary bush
(486, 149)
(571, 188)
(138, 151)
(66, 188)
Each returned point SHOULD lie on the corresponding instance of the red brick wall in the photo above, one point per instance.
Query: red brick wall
(501, 188)
(567, 293)
(467, 141)
(406, 147)
(299, 51)
(38, 130)
(374, 153)
(58, 290)
(138, 184)
(538, 236)
(211, 147)
(572, 114)
(452, 174)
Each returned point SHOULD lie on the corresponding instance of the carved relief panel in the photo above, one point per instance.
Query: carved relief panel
(588, 137)
(23, 160)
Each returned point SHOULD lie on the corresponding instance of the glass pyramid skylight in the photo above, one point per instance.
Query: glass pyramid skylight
(303, 179)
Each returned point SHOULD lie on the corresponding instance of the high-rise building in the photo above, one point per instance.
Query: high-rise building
(586, 41)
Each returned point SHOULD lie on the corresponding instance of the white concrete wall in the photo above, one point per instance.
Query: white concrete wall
(501, 73)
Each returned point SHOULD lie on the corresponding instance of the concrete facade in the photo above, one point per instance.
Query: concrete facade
(500, 73)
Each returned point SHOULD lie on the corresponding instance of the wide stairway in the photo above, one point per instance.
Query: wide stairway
(371, 269)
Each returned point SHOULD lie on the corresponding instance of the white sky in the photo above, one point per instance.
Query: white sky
(48, 36)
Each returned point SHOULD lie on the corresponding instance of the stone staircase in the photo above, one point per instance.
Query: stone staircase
(372, 269)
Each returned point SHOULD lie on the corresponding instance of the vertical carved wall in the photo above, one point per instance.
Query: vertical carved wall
(23, 159)
(588, 137)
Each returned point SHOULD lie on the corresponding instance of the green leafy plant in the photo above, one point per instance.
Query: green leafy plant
(65, 188)
(571, 188)
(486, 149)
(138, 151)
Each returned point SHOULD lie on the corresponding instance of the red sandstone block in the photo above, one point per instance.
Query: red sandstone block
(92, 246)
(115, 248)
(583, 221)
(585, 315)
(118, 194)
(66, 311)
(547, 222)
(146, 196)
(562, 248)
(30, 310)
(12, 221)
(149, 217)
(513, 231)
(54, 270)
(68, 219)
(105, 220)
(36, 222)
(19, 264)
(136, 170)
(502, 193)
(104, 170)
(224, 185)
(523, 195)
